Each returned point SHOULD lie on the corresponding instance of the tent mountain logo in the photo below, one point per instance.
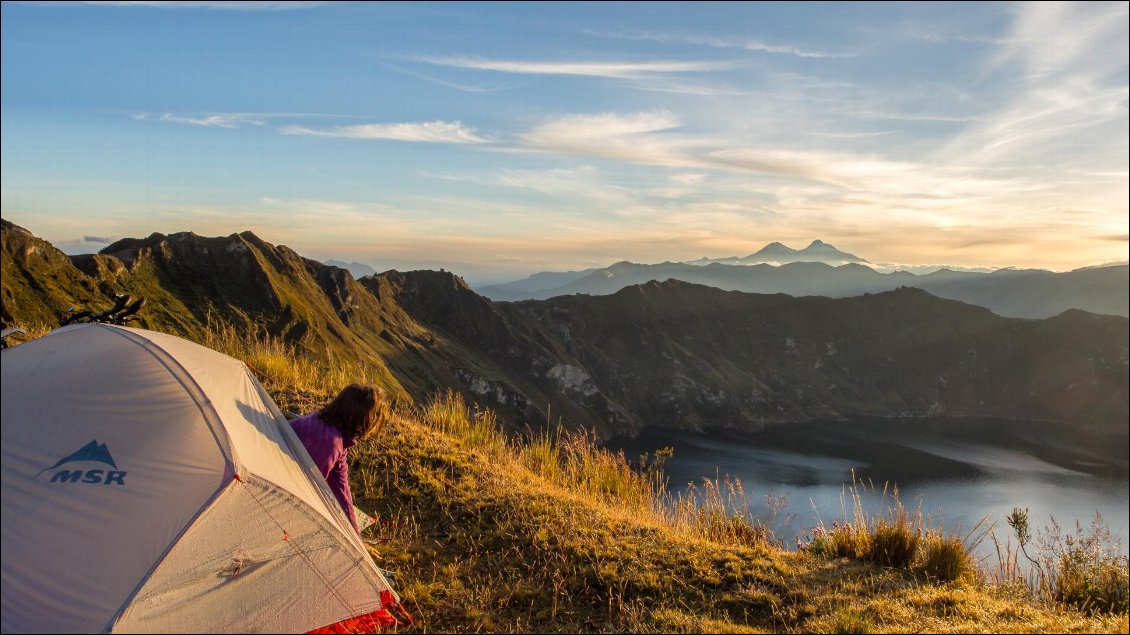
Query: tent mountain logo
(91, 452)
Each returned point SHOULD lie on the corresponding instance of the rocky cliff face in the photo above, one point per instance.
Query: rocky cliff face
(672, 354)
(689, 356)
(39, 282)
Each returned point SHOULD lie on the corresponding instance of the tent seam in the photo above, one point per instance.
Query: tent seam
(184, 378)
(208, 411)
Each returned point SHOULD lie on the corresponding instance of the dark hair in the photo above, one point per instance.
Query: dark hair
(357, 411)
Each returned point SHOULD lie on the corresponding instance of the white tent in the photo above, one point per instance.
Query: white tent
(151, 485)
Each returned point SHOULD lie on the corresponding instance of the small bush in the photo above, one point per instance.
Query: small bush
(894, 542)
(946, 558)
(889, 539)
(841, 541)
(1094, 584)
(718, 510)
(1086, 570)
(542, 455)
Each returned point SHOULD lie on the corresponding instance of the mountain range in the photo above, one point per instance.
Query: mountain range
(669, 353)
(777, 253)
(1027, 293)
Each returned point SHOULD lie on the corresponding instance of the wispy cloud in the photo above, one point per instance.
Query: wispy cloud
(429, 132)
(935, 33)
(564, 184)
(567, 184)
(854, 135)
(601, 126)
(915, 116)
(218, 121)
(1057, 58)
(426, 132)
(683, 86)
(688, 178)
(800, 182)
(467, 88)
(649, 138)
(636, 137)
(621, 70)
(847, 170)
(749, 44)
(229, 120)
(1049, 38)
(757, 45)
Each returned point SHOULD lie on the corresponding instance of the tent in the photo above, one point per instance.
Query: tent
(152, 485)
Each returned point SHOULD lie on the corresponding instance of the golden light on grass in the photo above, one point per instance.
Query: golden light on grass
(488, 531)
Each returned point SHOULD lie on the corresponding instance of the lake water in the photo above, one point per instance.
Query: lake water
(955, 477)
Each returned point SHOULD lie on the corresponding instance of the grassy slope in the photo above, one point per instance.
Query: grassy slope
(479, 541)
(482, 533)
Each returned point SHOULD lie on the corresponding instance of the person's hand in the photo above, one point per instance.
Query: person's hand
(373, 553)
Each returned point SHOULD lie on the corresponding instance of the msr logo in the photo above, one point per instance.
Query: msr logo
(92, 452)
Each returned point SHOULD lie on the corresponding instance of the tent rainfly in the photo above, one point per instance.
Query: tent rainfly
(152, 485)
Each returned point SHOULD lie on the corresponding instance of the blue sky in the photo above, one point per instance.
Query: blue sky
(502, 139)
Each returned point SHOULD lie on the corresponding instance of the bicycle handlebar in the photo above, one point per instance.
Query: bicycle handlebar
(120, 313)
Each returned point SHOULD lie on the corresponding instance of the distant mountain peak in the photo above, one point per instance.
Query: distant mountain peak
(772, 251)
(816, 251)
(358, 269)
(827, 251)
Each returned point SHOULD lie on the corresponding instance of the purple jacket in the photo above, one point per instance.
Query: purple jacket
(331, 454)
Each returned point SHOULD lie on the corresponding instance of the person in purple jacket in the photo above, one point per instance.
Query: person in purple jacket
(355, 413)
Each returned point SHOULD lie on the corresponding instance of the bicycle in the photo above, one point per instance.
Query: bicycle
(122, 312)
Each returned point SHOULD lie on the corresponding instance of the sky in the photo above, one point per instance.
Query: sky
(502, 139)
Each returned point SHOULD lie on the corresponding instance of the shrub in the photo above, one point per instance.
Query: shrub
(718, 510)
(894, 541)
(1085, 569)
(887, 538)
(946, 558)
(841, 541)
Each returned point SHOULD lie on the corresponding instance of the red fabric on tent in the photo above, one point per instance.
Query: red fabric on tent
(370, 622)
